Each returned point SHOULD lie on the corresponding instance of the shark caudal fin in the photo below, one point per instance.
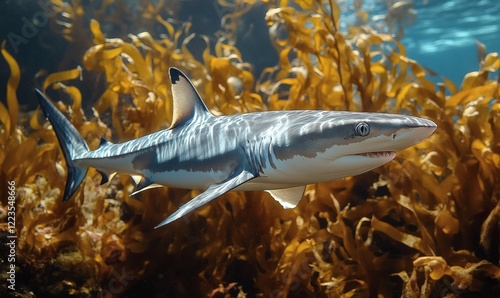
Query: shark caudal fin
(71, 142)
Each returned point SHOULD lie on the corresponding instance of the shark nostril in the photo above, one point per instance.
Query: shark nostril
(393, 136)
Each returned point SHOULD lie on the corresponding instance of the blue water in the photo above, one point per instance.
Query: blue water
(444, 33)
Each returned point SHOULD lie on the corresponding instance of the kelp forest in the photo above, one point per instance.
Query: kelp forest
(426, 224)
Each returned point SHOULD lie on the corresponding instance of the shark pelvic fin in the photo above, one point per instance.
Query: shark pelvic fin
(187, 103)
(288, 197)
(106, 176)
(143, 184)
(239, 176)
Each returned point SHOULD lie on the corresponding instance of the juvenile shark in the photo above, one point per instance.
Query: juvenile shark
(279, 152)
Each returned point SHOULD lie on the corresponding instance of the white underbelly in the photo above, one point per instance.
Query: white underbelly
(202, 180)
(187, 179)
(263, 183)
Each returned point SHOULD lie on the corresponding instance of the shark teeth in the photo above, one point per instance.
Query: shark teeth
(381, 154)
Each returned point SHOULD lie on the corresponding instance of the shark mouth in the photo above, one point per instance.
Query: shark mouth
(380, 154)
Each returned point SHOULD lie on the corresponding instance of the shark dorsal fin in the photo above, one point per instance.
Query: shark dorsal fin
(104, 142)
(187, 103)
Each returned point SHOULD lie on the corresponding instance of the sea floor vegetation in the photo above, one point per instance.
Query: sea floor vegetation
(427, 224)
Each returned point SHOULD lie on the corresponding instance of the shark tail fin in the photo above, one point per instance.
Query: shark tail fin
(71, 142)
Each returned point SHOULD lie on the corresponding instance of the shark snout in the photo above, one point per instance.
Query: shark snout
(425, 123)
(409, 136)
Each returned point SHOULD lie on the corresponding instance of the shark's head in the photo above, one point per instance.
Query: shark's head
(371, 141)
(341, 144)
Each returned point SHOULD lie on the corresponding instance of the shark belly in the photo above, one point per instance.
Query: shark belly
(186, 179)
(264, 183)
(121, 164)
(172, 173)
(191, 169)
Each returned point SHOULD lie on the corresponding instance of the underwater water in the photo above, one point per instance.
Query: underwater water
(443, 36)
(425, 224)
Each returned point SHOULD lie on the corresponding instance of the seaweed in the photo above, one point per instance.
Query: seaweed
(425, 224)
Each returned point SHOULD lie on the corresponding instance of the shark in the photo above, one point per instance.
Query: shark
(280, 152)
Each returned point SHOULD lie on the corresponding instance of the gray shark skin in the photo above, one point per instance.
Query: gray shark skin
(279, 152)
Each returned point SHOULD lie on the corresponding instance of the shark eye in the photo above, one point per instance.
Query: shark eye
(362, 129)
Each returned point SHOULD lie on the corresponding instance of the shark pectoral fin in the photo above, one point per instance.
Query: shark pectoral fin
(143, 184)
(214, 191)
(288, 197)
